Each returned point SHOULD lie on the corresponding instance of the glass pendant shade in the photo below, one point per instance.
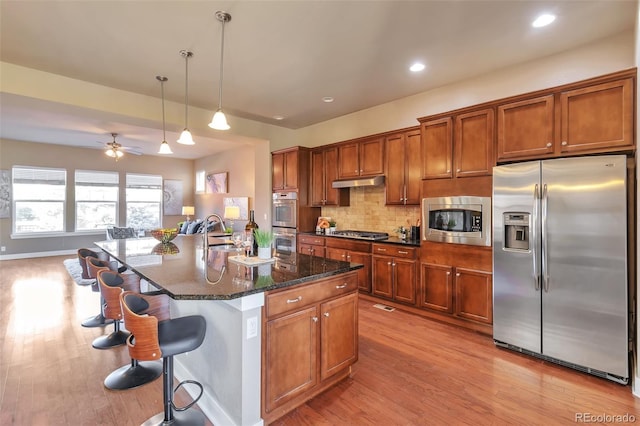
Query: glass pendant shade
(110, 153)
(219, 121)
(186, 138)
(165, 148)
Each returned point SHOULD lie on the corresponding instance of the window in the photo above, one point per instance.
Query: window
(38, 199)
(144, 201)
(96, 199)
(200, 178)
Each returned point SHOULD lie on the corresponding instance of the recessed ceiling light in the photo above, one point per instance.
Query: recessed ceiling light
(278, 117)
(327, 99)
(416, 67)
(543, 20)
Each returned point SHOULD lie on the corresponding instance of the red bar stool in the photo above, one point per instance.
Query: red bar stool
(155, 336)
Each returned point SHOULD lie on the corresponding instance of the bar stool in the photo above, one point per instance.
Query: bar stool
(155, 336)
(94, 265)
(137, 373)
(83, 254)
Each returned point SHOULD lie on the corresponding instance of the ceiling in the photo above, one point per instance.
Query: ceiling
(281, 57)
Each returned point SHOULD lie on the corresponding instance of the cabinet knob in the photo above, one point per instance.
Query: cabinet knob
(389, 263)
(349, 257)
(448, 170)
(564, 143)
(360, 170)
(457, 170)
(326, 314)
(355, 171)
(457, 274)
(448, 273)
(549, 144)
(344, 255)
(314, 319)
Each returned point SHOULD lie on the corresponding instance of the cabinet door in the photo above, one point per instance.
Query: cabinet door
(290, 363)
(333, 196)
(348, 161)
(413, 167)
(598, 117)
(291, 170)
(404, 289)
(372, 157)
(338, 334)
(437, 139)
(311, 250)
(317, 178)
(474, 133)
(277, 171)
(436, 288)
(525, 128)
(364, 274)
(473, 295)
(395, 176)
(336, 254)
(382, 273)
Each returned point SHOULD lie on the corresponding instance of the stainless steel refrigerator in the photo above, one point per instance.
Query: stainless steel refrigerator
(560, 289)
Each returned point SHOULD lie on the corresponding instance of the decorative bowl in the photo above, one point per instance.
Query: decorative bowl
(164, 235)
(165, 248)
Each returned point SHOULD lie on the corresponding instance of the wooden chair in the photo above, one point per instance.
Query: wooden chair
(112, 284)
(154, 336)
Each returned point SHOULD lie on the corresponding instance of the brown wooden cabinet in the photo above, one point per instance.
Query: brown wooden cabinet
(403, 168)
(352, 251)
(310, 341)
(312, 245)
(361, 158)
(290, 170)
(324, 170)
(592, 118)
(394, 272)
(465, 293)
(458, 146)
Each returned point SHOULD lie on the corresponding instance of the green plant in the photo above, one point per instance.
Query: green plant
(332, 223)
(228, 230)
(263, 237)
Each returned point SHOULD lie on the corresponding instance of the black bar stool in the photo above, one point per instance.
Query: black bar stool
(155, 336)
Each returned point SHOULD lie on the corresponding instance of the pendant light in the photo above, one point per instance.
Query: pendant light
(164, 146)
(219, 121)
(185, 136)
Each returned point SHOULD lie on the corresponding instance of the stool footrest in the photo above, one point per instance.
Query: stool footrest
(192, 403)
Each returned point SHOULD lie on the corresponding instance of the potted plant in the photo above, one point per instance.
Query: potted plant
(263, 239)
(332, 226)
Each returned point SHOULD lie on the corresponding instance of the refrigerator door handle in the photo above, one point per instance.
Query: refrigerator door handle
(534, 237)
(545, 249)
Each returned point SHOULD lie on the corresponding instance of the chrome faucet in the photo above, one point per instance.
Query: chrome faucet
(205, 233)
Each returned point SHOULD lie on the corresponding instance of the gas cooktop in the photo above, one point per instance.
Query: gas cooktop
(361, 235)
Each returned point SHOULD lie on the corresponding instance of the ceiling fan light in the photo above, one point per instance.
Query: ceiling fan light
(219, 121)
(119, 154)
(165, 148)
(186, 138)
(110, 153)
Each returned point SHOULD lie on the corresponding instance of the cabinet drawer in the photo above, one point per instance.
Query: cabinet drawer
(395, 251)
(280, 302)
(349, 245)
(311, 239)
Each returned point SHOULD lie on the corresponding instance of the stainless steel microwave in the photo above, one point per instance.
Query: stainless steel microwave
(458, 220)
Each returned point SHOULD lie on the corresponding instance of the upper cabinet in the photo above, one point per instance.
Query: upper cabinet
(361, 158)
(290, 169)
(459, 145)
(403, 174)
(578, 119)
(324, 170)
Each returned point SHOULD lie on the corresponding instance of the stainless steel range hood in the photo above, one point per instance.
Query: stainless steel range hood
(357, 182)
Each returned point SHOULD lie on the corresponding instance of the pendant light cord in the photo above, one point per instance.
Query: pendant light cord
(221, 65)
(186, 89)
(164, 135)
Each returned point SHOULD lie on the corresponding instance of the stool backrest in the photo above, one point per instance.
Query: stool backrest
(94, 265)
(111, 285)
(141, 315)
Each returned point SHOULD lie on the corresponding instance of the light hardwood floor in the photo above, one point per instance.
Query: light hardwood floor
(411, 371)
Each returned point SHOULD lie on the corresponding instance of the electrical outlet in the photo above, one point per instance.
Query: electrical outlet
(3, 248)
(252, 327)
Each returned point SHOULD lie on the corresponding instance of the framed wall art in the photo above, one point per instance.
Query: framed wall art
(216, 183)
(5, 193)
(172, 197)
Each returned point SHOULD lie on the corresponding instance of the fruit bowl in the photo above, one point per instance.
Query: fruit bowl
(164, 235)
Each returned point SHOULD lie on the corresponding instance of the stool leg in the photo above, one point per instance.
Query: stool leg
(116, 338)
(169, 417)
(98, 320)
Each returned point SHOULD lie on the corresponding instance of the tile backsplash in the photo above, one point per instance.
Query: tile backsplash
(368, 212)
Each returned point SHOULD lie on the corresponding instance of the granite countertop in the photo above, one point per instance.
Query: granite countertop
(390, 240)
(179, 269)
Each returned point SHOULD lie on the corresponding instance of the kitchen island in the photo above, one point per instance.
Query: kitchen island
(238, 363)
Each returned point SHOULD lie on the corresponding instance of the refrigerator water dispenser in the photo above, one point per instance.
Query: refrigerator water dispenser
(516, 231)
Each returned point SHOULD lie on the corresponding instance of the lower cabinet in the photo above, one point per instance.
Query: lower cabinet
(310, 341)
(355, 252)
(311, 245)
(394, 273)
(464, 293)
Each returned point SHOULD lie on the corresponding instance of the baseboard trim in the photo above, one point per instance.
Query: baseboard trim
(37, 254)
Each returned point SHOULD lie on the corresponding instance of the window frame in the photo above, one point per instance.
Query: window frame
(110, 180)
(144, 181)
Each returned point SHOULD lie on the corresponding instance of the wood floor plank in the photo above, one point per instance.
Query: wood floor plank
(411, 370)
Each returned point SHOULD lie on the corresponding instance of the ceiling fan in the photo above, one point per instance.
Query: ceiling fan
(116, 150)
